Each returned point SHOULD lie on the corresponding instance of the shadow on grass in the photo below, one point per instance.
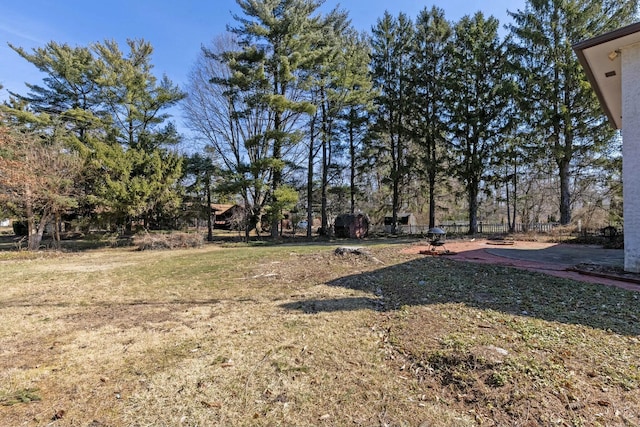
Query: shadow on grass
(430, 281)
(336, 304)
(563, 255)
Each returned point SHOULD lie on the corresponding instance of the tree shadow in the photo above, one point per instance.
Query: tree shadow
(439, 280)
(311, 306)
(562, 255)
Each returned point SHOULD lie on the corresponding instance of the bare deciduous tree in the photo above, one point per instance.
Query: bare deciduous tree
(229, 127)
(38, 179)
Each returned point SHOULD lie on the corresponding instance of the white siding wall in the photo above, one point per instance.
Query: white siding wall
(631, 155)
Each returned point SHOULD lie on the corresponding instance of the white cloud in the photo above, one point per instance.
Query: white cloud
(16, 36)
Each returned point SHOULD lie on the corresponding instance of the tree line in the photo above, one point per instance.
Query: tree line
(295, 111)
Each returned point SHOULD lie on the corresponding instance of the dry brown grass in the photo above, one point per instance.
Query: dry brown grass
(175, 240)
(295, 335)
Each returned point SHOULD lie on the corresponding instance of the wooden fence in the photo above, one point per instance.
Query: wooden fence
(486, 228)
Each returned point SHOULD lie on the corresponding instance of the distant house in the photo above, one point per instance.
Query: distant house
(353, 226)
(227, 217)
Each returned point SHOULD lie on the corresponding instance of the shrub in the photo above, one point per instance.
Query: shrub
(145, 241)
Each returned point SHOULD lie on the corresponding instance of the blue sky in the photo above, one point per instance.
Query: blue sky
(175, 29)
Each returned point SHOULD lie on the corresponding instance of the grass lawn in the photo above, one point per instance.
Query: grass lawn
(296, 335)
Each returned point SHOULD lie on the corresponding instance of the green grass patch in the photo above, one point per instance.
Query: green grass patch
(19, 396)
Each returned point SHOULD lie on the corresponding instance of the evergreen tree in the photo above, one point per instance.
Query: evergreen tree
(390, 64)
(477, 102)
(200, 171)
(358, 105)
(428, 85)
(136, 101)
(115, 107)
(563, 113)
(71, 90)
(132, 185)
(324, 81)
(276, 37)
(340, 87)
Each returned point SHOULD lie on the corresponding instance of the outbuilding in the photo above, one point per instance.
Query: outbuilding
(354, 226)
(406, 221)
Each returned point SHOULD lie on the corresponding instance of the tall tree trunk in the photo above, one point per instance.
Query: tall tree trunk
(352, 155)
(395, 176)
(42, 225)
(255, 213)
(277, 173)
(325, 164)
(312, 143)
(508, 208)
(33, 242)
(432, 173)
(208, 209)
(432, 201)
(473, 207)
(512, 226)
(565, 160)
(565, 192)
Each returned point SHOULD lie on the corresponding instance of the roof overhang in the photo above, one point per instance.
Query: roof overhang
(600, 57)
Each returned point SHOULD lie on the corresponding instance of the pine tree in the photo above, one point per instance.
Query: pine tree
(341, 88)
(477, 102)
(110, 101)
(200, 170)
(390, 63)
(136, 100)
(429, 76)
(325, 83)
(563, 113)
(71, 90)
(358, 105)
(276, 37)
